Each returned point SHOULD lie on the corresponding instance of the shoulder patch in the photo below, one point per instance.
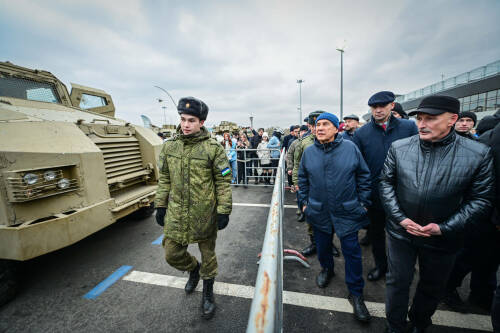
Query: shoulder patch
(226, 171)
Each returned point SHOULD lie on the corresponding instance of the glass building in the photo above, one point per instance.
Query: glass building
(478, 91)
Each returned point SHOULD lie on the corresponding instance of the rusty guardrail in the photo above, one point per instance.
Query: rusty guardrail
(266, 312)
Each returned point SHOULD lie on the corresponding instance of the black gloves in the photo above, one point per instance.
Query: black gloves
(222, 221)
(160, 215)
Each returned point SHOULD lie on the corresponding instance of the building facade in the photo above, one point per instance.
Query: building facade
(477, 90)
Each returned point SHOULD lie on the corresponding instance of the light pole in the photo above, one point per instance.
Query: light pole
(341, 50)
(164, 115)
(166, 92)
(300, 81)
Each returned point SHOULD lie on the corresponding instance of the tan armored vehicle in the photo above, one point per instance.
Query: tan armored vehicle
(226, 126)
(68, 168)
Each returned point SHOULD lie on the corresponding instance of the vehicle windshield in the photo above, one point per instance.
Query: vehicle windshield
(28, 89)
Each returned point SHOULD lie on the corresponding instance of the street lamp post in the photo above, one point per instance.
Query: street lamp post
(166, 92)
(164, 114)
(300, 81)
(341, 50)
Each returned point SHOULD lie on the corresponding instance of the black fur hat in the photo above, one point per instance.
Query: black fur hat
(193, 106)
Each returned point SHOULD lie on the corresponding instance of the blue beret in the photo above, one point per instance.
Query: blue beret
(329, 116)
(382, 97)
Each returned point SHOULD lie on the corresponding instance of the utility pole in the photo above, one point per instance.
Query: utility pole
(164, 114)
(300, 81)
(341, 50)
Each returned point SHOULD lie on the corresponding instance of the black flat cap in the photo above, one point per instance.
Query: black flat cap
(381, 98)
(438, 104)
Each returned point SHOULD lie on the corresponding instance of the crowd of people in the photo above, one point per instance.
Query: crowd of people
(424, 189)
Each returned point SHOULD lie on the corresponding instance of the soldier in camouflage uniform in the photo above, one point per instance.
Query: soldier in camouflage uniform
(194, 193)
(304, 142)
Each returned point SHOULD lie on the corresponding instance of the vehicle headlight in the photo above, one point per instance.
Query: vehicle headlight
(49, 175)
(63, 183)
(30, 178)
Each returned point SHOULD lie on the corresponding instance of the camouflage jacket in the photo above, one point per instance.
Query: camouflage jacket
(194, 185)
(289, 154)
(297, 155)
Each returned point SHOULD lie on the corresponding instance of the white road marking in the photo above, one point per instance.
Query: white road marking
(259, 205)
(444, 318)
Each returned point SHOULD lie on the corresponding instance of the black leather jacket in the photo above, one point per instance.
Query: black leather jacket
(449, 182)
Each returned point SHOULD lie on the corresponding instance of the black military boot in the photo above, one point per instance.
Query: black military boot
(207, 301)
(324, 277)
(358, 305)
(194, 278)
(311, 249)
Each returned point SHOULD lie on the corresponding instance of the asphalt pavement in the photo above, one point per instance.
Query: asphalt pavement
(149, 297)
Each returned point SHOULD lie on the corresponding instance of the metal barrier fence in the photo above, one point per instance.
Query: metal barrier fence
(249, 169)
(266, 313)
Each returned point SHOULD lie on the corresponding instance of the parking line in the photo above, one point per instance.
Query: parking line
(158, 240)
(444, 318)
(258, 205)
(101, 287)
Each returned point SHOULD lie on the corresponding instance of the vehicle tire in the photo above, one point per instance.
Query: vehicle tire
(143, 213)
(8, 281)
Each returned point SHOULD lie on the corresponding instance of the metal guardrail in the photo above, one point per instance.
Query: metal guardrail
(251, 166)
(266, 313)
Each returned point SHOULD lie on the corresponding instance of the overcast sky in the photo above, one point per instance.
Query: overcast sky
(244, 57)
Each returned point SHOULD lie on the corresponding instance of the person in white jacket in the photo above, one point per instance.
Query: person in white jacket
(264, 155)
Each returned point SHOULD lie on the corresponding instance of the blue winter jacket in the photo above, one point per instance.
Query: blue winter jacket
(347, 135)
(231, 153)
(334, 183)
(374, 143)
(274, 143)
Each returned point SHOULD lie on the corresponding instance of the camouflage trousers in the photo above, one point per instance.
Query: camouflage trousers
(178, 257)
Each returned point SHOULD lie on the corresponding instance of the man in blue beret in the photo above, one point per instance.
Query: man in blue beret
(334, 191)
(374, 140)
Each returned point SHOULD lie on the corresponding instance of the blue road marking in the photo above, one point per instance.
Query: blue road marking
(101, 287)
(158, 240)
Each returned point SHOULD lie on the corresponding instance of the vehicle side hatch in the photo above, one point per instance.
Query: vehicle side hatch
(92, 99)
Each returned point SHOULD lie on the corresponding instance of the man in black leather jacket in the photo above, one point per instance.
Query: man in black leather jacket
(432, 186)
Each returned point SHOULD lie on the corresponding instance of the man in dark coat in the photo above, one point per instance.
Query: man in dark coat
(374, 140)
(294, 134)
(334, 191)
(254, 141)
(351, 125)
(433, 186)
(481, 250)
(465, 123)
(489, 130)
(398, 112)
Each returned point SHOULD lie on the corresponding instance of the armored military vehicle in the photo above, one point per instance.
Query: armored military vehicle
(68, 167)
(226, 126)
